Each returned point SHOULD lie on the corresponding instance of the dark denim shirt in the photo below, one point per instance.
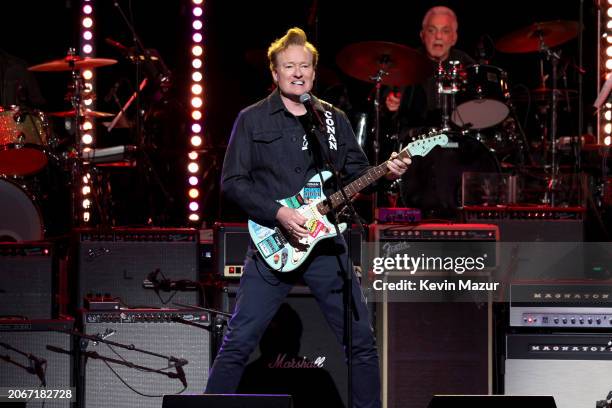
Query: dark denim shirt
(267, 160)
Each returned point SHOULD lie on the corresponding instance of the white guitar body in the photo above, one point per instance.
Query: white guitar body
(272, 244)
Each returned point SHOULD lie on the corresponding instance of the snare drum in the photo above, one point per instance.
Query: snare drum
(482, 99)
(24, 136)
(20, 218)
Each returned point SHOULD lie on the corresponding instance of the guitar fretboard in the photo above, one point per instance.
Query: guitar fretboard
(335, 200)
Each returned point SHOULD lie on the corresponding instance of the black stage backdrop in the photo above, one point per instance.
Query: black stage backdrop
(237, 34)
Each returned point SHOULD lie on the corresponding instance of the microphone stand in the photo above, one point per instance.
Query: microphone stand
(84, 340)
(317, 130)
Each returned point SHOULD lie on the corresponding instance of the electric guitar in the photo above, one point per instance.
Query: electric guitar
(284, 254)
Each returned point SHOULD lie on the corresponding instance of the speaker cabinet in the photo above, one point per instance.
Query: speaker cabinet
(120, 263)
(299, 327)
(573, 368)
(431, 347)
(28, 281)
(33, 352)
(227, 401)
(489, 401)
(110, 381)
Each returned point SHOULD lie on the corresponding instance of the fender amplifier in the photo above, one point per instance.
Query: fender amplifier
(127, 264)
(28, 280)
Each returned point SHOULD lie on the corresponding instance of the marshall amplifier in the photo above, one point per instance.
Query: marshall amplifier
(28, 281)
(138, 266)
(33, 353)
(231, 241)
(573, 368)
(112, 380)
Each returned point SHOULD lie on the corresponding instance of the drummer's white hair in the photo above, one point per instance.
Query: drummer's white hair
(442, 10)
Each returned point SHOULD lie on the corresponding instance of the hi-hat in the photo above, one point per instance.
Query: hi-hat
(86, 113)
(530, 38)
(72, 62)
(403, 65)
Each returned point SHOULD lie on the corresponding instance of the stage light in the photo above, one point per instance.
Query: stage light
(87, 22)
(608, 115)
(87, 35)
(197, 11)
(86, 203)
(193, 167)
(196, 102)
(196, 63)
(196, 76)
(87, 125)
(193, 181)
(87, 139)
(196, 89)
(87, 9)
(607, 140)
(196, 115)
(87, 74)
(197, 38)
(194, 217)
(194, 193)
(86, 190)
(608, 128)
(196, 141)
(194, 206)
(196, 128)
(197, 24)
(197, 50)
(193, 156)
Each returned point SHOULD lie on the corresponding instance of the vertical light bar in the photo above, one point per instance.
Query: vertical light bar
(196, 103)
(87, 50)
(604, 128)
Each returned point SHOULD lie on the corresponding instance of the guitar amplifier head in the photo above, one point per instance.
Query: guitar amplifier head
(231, 241)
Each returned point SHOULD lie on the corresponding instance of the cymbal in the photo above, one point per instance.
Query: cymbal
(527, 39)
(87, 113)
(72, 62)
(404, 65)
(544, 94)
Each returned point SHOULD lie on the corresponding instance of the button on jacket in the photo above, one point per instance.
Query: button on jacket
(269, 158)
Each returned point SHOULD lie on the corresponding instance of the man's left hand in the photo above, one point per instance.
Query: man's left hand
(397, 166)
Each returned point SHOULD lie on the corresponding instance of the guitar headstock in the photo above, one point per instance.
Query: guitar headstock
(424, 145)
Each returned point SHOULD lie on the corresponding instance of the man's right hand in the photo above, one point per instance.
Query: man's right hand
(393, 100)
(292, 221)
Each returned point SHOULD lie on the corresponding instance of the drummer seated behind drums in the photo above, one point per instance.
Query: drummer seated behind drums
(419, 105)
(430, 184)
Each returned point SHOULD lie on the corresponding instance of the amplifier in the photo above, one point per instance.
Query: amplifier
(110, 378)
(531, 223)
(28, 280)
(435, 232)
(573, 368)
(231, 241)
(35, 353)
(395, 214)
(575, 305)
(123, 264)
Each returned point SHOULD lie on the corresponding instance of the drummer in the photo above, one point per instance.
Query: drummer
(419, 106)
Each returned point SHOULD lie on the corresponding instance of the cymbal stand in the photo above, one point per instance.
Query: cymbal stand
(383, 63)
(447, 86)
(554, 58)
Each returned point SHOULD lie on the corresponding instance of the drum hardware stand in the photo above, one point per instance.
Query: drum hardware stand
(554, 58)
(163, 78)
(383, 64)
(446, 92)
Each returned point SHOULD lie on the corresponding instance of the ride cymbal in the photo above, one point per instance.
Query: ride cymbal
(402, 65)
(72, 62)
(527, 39)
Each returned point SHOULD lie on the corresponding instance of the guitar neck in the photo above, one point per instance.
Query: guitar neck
(336, 200)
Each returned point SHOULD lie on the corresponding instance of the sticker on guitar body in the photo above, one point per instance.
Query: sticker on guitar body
(270, 245)
(315, 227)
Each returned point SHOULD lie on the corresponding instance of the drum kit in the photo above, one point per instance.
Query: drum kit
(28, 148)
(476, 101)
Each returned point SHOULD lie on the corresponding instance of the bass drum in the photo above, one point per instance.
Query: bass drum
(20, 217)
(433, 183)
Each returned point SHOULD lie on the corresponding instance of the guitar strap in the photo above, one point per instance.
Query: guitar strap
(330, 119)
